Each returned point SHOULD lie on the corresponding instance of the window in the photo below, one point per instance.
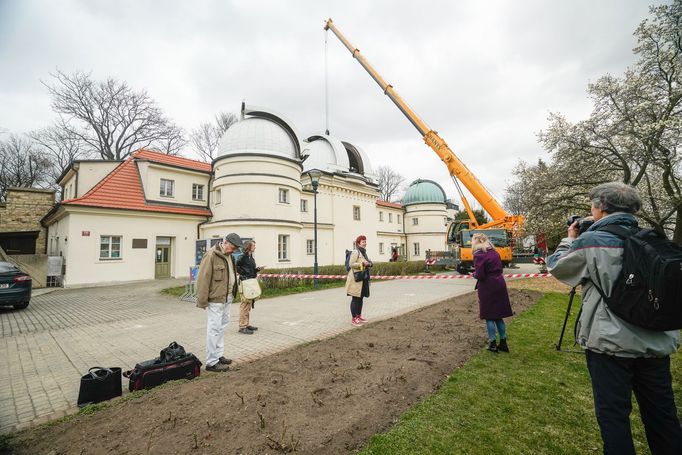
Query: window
(381, 247)
(310, 246)
(398, 218)
(304, 205)
(415, 221)
(356, 212)
(390, 218)
(218, 196)
(166, 188)
(197, 192)
(110, 247)
(381, 216)
(283, 247)
(283, 196)
(416, 249)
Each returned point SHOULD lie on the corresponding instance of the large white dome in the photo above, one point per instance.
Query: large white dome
(262, 132)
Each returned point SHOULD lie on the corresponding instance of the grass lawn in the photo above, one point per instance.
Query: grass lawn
(535, 400)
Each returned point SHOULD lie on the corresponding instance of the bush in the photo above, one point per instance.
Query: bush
(380, 268)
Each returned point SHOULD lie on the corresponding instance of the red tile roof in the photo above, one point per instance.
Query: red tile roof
(178, 161)
(394, 205)
(122, 188)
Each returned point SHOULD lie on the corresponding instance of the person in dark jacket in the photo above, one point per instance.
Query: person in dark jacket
(622, 358)
(246, 268)
(493, 298)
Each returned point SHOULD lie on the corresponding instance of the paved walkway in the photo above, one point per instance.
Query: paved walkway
(45, 348)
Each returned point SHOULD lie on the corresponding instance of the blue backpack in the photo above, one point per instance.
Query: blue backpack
(348, 253)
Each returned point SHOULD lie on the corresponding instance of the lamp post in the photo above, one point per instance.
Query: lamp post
(315, 175)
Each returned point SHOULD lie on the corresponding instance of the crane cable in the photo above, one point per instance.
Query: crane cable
(326, 83)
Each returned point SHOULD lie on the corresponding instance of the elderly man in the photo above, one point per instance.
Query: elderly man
(621, 357)
(216, 287)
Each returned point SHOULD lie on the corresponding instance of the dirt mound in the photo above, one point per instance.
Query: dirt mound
(328, 396)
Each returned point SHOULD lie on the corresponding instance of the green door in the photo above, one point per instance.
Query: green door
(162, 258)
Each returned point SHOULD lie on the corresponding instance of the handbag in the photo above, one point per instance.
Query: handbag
(99, 384)
(360, 276)
(250, 288)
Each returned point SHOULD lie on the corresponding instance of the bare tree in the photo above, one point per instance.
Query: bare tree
(206, 137)
(389, 182)
(61, 147)
(22, 165)
(109, 117)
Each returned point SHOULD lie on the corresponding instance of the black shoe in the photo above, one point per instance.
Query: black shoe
(224, 360)
(246, 331)
(217, 368)
(252, 328)
(503, 345)
(493, 347)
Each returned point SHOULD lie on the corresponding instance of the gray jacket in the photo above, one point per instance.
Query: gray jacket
(597, 257)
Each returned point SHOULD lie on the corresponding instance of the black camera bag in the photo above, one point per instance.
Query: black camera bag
(648, 291)
(173, 364)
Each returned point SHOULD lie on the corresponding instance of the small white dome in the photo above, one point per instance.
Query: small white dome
(325, 153)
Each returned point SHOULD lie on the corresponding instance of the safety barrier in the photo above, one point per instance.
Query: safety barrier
(398, 277)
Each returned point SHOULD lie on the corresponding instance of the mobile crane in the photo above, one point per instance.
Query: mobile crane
(503, 228)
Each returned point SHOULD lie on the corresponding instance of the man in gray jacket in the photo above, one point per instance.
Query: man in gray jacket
(621, 357)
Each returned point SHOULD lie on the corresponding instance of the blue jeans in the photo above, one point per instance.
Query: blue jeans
(496, 325)
(613, 381)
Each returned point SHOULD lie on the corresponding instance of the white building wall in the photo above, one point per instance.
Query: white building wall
(430, 232)
(90, 174)
(85, 228)
(151, 175)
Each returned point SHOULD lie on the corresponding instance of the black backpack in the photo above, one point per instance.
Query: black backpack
(348, 253)
(648, 292)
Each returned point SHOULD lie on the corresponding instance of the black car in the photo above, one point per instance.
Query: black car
(15, 286)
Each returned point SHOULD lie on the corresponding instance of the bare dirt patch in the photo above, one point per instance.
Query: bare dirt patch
(328, 396)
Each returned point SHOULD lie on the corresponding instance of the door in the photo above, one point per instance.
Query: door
(162, 259)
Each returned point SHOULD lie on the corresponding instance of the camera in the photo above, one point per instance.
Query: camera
(584, 222)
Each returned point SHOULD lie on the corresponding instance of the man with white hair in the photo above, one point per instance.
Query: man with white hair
(622, 358)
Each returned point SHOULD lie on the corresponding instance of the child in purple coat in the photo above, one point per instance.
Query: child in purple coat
(493, 299)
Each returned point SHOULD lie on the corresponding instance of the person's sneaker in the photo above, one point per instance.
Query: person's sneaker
(356, 322)
(217, 367)
(361, 319)
(224, 360)
(252, 328)
(246, 331)
(492, 347)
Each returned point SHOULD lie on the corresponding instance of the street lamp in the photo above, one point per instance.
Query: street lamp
(315, 175)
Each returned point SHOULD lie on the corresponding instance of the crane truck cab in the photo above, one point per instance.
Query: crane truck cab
(459, 241)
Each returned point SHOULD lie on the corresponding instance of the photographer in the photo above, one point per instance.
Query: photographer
(621, 357)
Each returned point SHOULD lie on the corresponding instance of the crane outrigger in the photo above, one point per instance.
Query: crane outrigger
(502, 228)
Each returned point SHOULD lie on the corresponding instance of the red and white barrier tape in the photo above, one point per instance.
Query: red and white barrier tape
(398, 277)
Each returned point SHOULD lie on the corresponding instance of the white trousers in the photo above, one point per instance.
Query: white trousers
(218, 317)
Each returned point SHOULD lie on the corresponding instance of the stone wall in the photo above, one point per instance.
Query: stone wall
(22, 211)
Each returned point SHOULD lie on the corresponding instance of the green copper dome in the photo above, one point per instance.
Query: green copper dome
(424, 192)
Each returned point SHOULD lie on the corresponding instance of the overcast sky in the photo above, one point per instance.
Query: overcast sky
(484, 74)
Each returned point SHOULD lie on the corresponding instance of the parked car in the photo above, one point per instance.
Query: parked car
(15, 286)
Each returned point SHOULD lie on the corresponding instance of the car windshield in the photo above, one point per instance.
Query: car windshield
(8, 267)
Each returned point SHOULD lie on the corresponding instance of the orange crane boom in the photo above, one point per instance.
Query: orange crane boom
(458, 170)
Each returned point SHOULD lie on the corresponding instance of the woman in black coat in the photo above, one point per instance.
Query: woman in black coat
(246, 268)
